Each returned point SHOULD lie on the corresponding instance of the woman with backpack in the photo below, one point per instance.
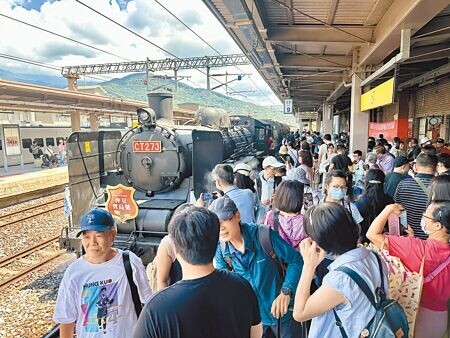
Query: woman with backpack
(332, 231)
(286, 218)
(431, 320)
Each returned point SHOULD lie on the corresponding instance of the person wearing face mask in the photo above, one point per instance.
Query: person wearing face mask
(336, 190)
(432, 315)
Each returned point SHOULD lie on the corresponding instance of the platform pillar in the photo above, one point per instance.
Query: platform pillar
(359, 120)
(72, 85)
(327, 119)
(318, 122)
(94, 121)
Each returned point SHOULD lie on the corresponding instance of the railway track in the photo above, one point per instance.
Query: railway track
(17, 266)
(27, 213)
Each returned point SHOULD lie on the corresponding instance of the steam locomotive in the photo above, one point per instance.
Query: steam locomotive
(166, 164)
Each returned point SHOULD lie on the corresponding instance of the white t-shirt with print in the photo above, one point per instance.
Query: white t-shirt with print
(98, 297)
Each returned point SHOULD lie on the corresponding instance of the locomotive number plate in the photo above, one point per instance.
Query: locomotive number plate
(147, 146)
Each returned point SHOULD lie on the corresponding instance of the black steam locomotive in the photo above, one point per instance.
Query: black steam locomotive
(167, 164)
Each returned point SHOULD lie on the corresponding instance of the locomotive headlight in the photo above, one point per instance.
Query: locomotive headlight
(146, 116)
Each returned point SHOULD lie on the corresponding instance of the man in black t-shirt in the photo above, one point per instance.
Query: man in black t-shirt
(206, 302)
(342, 162)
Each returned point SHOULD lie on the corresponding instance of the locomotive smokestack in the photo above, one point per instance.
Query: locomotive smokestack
(161, 103)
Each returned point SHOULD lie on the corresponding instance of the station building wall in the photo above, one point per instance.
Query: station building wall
(433, 100)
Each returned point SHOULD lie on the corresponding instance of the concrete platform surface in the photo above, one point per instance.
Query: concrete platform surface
(21, 181)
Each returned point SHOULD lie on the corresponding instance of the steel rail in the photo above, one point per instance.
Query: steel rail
(27, 251)
(22, 274)
(32, 215)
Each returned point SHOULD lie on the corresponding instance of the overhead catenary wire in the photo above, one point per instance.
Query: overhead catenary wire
(65, 37)
(147, 40)
(41, 64)
(202, 39)
(31, 62)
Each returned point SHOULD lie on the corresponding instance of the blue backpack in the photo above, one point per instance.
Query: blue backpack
(389, 320)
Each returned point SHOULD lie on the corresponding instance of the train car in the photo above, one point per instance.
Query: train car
(44, 136)
(279, 131)
(263, 131)
(167, 165)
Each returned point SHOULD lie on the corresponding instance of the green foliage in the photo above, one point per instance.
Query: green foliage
(133, 87)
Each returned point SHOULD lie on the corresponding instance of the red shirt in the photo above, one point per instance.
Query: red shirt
(411, 250)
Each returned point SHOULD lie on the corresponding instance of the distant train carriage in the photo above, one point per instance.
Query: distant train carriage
(279, 131)
(44, 136)
(262, 131)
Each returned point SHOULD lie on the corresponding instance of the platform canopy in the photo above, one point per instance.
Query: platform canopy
(308, 50)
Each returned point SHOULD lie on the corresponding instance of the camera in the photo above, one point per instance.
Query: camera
(208, 196)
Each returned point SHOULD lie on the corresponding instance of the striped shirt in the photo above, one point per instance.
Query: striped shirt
(414, 199)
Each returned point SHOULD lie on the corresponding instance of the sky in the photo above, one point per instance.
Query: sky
(146, 17)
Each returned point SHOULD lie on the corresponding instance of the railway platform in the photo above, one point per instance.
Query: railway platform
(22, 184)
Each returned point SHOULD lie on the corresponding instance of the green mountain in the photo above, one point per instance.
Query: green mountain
(133, 87)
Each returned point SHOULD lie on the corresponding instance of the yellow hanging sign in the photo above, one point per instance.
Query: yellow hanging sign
(379, 96)
(87, 147)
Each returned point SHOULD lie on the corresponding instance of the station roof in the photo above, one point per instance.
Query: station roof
(15, 96)
(307, 50)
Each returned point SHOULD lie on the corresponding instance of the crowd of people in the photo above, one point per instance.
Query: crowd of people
(267, 254)
(48, 155)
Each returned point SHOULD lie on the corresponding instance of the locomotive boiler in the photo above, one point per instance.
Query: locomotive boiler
(166, 164)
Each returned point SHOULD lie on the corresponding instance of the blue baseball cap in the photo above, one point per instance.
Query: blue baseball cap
(223, 207)
(97, 220)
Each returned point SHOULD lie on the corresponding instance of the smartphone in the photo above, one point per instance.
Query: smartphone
(394, 225)
(403, 223)
(208, 196)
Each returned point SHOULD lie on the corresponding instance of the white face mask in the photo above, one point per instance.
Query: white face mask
(422, 225)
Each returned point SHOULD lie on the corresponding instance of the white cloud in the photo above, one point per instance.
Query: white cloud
(146, 17)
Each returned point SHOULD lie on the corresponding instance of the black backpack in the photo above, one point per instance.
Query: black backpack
(389, 320)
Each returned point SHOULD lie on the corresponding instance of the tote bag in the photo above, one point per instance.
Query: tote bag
(405, 286)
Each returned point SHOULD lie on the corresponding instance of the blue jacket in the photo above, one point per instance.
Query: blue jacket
(262, 271)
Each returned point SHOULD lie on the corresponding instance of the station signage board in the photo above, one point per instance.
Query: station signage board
(11, 139)
(288, 106)
(379, 96)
